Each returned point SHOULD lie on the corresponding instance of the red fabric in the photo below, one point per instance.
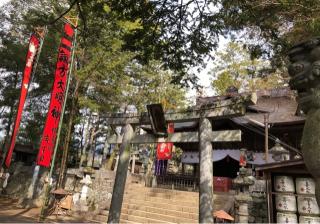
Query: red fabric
(68, 30)
(49, 135)
(222, 184)
(34, 44)
(164, 149)
(242, 161)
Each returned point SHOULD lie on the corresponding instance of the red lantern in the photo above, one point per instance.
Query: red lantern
(164, 149)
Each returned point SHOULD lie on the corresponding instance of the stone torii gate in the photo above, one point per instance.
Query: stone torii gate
(205, 136)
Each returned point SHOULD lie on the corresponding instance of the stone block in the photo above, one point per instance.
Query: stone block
(251, 219)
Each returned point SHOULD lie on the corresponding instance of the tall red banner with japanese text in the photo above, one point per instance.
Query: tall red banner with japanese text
(58, 93)
(34, 44)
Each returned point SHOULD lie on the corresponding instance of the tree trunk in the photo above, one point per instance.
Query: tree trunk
(86, 142)
(66, 143)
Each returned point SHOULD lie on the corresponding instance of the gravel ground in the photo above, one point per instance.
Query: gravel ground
(11, 213)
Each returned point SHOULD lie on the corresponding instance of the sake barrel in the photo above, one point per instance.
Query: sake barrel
(307, 205)
(286, 203)
(305, 186)
(286, 218)
(284, 184)
(309, 219)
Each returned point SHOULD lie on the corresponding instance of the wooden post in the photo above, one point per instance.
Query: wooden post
(121, 176)
(206, 173)
(266, 136)
(269, 197)
(116, 164)
(133, 163)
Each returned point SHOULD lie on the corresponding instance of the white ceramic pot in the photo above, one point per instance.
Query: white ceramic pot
(309, 219)
(305, 186)
(286, 218)
(286, 203)
(284, 184)
(308, 205)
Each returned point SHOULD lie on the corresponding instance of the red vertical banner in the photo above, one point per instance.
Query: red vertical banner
(164, 149)
(34, 44)
(58, 93)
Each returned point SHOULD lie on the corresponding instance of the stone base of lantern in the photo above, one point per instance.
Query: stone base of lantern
(251, 208)
(242, 207)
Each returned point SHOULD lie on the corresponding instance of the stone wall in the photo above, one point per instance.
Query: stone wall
(100, 191)
(20, 180)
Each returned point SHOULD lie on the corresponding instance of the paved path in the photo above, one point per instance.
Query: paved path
(11, 213)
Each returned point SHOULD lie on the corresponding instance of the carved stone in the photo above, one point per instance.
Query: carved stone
(304, 70)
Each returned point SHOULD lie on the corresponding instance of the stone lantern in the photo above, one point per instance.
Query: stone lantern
(242, 182)
(279, 153)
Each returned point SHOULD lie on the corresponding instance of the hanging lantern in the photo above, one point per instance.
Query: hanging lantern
(164, 149)
(279, 153)
(243, 158)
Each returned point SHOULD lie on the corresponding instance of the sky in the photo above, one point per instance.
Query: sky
(3, 2)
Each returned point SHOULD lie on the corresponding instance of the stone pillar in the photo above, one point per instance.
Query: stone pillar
(242, 204)
(32, 186)
(121, 176)
(133, 163)
(206, 173)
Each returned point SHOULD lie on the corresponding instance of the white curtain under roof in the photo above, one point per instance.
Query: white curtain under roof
(220, 154)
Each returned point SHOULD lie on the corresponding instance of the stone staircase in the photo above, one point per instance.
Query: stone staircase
(155, 205)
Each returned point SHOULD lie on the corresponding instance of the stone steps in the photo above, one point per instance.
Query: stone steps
(153, 204)
(104, 219)
(191, 214)
(182, 201)
(158, 217)
(165, 195)
(140, 219)
(141, 188)
(161, 211)
(156, 205)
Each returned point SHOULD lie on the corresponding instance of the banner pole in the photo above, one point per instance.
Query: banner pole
(34, 68)
(48, 186)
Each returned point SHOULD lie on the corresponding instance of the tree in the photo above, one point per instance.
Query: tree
(180, 34)
(234, 67)
(276, 25)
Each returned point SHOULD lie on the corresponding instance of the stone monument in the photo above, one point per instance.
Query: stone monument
(304, 70)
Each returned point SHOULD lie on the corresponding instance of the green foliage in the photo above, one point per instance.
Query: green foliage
(276, 25)
(234, 67)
